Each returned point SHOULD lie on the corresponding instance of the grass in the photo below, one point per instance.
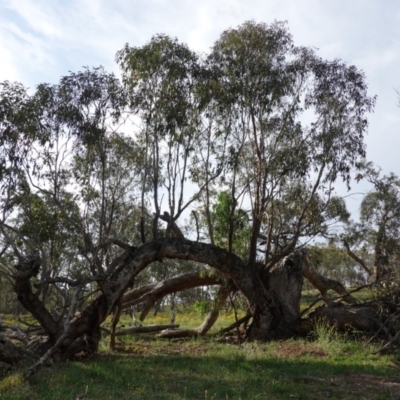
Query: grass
(203, 370)
(143, 368)
(186, 318)
(328, 366)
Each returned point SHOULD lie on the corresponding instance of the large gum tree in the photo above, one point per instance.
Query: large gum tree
(98, 176)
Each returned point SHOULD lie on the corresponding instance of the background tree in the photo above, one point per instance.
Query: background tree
(373, 242)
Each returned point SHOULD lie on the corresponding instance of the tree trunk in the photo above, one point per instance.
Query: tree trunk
(284, 282)
(84, 329)
(273, 295)
(213, 315)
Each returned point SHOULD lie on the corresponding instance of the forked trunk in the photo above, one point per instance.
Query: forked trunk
(283, 283)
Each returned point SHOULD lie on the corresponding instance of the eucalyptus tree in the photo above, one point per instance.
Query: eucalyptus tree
(66, 178)
(294, 123)
(373, 242)
(271, 124)
(93, 163)
(162, 78)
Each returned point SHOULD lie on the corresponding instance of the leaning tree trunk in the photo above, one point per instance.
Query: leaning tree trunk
(209, 321)
(273, 296)
(212, 316)
(83, 333)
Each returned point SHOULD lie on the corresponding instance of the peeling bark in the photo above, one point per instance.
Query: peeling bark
(284, 282)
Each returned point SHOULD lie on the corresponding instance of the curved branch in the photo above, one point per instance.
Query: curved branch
(323, 284)
(132, 261)
(117, 242)
(26, 270)
(156, 291)
(357, 259)
(208, 322)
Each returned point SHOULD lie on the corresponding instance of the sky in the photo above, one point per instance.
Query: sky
(42, 40)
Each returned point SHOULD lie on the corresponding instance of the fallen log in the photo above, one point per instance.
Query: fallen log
(364, 317)
(141, 329)
(174, 334)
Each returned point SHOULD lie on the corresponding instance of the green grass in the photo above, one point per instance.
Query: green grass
(200, 369)
(327, 365)
(186, 318)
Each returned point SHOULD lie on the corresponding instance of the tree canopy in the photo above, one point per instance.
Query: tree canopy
(97, 174)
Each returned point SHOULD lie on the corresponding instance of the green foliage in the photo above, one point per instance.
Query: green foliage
(161, 78)
(201, 306)
(229, 222)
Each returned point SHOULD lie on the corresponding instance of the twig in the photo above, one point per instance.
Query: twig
(236, 317)
(388, 345)
(234, 325)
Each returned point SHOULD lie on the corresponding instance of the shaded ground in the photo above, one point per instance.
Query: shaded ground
(195, 369)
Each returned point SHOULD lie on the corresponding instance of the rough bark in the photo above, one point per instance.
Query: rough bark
(26, 270)
(273, 299)
(231, 266)
(284, 283)
(273, 296)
